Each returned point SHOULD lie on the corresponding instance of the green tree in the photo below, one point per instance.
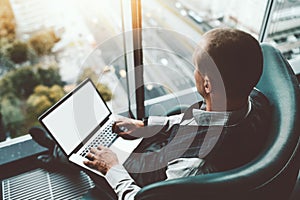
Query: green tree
(3, 43)
(102, 88)
(5, 64)
(42, 42)
(87, 72)
(12, 115)
(19, 82)
(18, 52)
(22, 81)
(42, 98)
(104, 91)
(49, 76)
(56, 92)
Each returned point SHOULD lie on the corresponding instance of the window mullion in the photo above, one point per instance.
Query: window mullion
(138, 57)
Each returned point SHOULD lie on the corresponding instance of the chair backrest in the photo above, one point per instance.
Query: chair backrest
(272, 175)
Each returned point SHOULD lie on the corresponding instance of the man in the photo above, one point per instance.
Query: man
(226, 130)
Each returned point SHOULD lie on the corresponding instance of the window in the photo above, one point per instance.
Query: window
(171, 31)
(193, 18)
(283, 30)
(47, 47)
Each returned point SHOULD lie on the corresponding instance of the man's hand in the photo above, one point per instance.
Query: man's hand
(128, 128)
(101, 159)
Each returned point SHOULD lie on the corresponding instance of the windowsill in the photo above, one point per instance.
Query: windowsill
(24, 150)
(19, 148)
(161, 105)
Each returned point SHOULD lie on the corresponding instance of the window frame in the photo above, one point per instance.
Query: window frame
(136, 15)
(266, 20)
(136, 11)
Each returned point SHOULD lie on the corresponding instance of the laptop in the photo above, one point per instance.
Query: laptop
(81, 120)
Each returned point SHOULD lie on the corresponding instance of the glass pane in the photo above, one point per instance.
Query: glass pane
(284, 29)
(172, 29)
(49, 46)
(194, 17)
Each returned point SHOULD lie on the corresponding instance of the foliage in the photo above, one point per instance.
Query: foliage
(12, 115)
(104, 91)
(5, 64)
(19, 82)
(87, 72)
(22, 81)
(102, 88)
(7, 21)
(43, 98)
(18, 52)
(43, 41)
(7, 35)
(49, 76)
(56, 92)
(4, 42)
(14, 52)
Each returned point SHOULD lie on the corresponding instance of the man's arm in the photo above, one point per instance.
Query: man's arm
(126, 188)
(132, 129)
(106, 161)
(122, 183)
(163, 120)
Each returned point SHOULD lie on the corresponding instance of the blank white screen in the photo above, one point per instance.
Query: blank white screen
(76, 117)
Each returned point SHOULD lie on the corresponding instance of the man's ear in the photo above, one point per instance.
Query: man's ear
(207, 85)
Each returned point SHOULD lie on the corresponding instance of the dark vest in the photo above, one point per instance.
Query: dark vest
(222, 148)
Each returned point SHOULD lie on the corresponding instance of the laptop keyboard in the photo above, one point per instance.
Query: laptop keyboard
(106, 137)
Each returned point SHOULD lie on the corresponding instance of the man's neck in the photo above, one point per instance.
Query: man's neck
(230, 105)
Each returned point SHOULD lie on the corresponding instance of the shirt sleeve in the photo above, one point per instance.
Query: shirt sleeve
(122, 183)
(163, 120)
(183, 167)
(126, 188)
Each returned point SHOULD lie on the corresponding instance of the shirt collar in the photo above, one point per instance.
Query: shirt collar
(213, 118)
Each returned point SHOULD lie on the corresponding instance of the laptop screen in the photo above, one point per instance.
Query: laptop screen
(74, 117)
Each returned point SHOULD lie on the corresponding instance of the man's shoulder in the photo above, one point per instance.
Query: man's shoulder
(258, 99)
(261, 109)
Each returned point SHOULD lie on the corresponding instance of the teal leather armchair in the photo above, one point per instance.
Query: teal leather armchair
(273, 174)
